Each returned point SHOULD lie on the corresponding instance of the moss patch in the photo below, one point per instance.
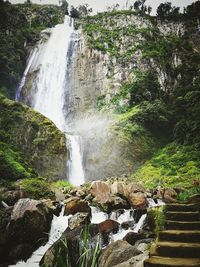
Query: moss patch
(37, 188)
(12, 165)
(37, 139)
(175, 166)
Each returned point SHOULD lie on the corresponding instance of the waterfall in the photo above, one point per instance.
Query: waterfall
(51, 87)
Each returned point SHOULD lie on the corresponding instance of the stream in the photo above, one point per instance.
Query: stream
(59, 225)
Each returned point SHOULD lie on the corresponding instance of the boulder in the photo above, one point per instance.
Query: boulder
(135, 188)
(101, 192)
(116, 253)
(136, 261)
(108, 226)
(138, 200)
(122, 189)
(30, 220)
(81, 193)
(119, 188)
(75, 204)
(132, 237)
(24, 228)
(78, 219)
(126, 225)
(12, 196)
(118, 203)
(170, 195)
(53, 206)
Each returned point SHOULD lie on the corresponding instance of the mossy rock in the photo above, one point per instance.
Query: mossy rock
(37, 139)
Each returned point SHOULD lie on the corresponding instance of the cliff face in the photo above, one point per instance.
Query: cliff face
(145, 71)
(113, 47)
(33, 141)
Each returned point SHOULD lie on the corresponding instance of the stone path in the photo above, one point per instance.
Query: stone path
(179, 243)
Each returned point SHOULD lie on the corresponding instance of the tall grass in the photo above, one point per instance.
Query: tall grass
(89, 252)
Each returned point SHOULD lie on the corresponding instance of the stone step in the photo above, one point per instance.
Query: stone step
(178, 225)
(176, 249)
(182, 207)
(180, 236)
(171, 262)
(182, 216)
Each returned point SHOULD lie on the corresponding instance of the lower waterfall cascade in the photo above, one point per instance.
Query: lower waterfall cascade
(59, 225)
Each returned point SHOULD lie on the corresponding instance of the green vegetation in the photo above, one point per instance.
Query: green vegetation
(89, 255)
(62, 184)
(12, 165)
(174, 166)
(37, 188)
(89, 252)
(156, 218)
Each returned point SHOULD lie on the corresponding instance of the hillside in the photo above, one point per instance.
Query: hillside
(146, 69)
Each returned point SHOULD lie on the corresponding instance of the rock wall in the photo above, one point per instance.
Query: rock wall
(110, 48)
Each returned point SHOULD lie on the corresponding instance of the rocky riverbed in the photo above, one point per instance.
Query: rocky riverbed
(115, 213)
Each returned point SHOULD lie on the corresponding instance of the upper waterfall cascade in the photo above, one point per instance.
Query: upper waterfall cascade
(50, 88)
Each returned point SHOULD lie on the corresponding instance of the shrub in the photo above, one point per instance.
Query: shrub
(37, 188)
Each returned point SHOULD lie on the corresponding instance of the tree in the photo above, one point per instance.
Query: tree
(193, 10)
(84, 10)
(74, 13)
(137, 5)
(140, 6)
(64, 5)
(164, 9)
(149, 10)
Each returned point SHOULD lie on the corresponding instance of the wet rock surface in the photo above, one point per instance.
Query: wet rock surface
(117, 252)
(138, 200)
(101, 192)
(118, 195)
(75, 204)
(23, 228)
(78, 219)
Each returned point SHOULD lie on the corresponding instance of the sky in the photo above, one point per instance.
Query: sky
(100, 5)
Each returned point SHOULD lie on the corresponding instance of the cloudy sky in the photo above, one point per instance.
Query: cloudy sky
(100, 5)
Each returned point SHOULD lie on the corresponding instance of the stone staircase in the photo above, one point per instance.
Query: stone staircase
(179, 244)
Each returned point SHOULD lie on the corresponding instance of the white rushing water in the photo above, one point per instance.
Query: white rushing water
(75, 166)
(50, 62)
(50, 82)
(98, 216)
(23, 80)
(58, 226)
